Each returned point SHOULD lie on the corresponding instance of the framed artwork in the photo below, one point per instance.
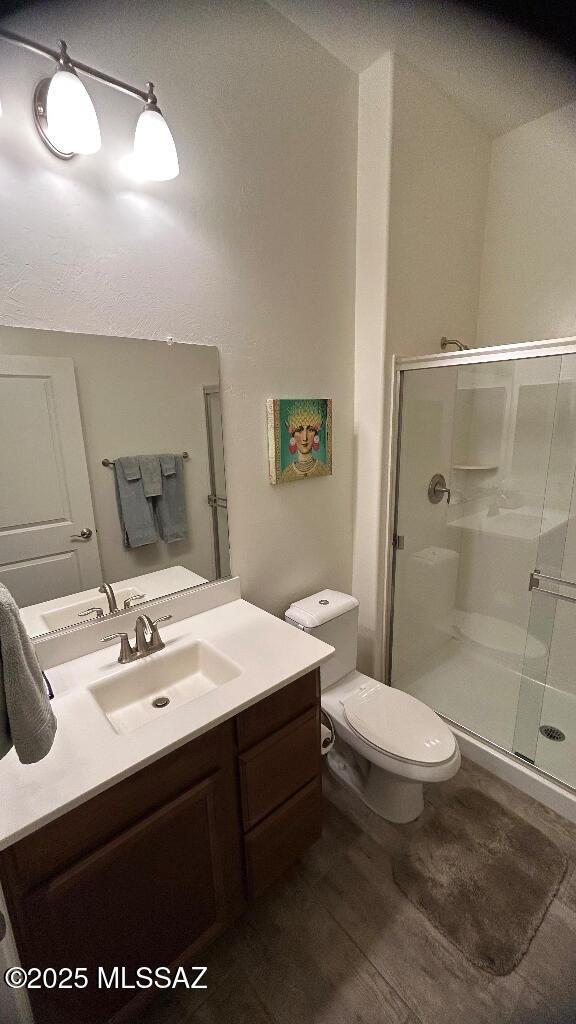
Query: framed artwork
(299, 438)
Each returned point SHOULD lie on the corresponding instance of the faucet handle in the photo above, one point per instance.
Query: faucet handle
(135, 597)
(156, 642)
(163, 618)
(90, 611)
(126, 651)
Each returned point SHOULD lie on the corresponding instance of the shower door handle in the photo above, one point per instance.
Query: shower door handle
(534, 584)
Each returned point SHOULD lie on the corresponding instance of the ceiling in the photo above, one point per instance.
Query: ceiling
(500, 77)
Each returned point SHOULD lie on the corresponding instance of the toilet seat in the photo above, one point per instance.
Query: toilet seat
(399, 725)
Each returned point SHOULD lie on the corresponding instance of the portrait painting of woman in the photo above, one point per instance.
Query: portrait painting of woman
(299, 438)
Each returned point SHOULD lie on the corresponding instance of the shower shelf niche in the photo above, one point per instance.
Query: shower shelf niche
(479, 466)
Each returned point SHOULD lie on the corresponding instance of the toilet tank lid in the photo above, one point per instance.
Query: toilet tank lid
(319, 608)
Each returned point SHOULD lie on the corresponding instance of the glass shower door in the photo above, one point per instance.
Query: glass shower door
(462, 630)
(546, 723)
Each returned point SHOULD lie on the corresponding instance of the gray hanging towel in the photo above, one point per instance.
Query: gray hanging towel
(168, 464)
(151, 475)
(171, 504)
(27, 721)
(135, 510)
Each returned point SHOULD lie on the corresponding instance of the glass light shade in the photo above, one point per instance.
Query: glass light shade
(155, 155)
(72, 125)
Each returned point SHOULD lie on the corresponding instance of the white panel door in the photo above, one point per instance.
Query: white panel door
(45, 500)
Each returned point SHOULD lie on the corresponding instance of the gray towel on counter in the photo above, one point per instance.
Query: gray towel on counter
(171, 504)
(151, 475)
(27, 721)
(135, 510)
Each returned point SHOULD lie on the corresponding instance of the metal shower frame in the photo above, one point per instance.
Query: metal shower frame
(401, 364)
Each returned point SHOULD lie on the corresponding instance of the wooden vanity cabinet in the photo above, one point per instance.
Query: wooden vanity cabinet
(279, 764)
(150, 871)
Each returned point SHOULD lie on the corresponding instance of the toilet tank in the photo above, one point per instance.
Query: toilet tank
(333, 618)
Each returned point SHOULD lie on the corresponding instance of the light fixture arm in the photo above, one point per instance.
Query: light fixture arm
(63, 58)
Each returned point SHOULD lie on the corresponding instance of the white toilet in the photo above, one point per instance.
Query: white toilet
(388, 743)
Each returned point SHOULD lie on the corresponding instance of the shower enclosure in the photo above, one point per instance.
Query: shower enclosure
(482, 609)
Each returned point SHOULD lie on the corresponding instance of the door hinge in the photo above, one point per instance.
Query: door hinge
(398, 542)
(216, 502)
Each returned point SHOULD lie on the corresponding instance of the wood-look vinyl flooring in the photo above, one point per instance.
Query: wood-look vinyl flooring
(336, 942)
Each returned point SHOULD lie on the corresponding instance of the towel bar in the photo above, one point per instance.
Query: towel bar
(534, 584)
(110, 462)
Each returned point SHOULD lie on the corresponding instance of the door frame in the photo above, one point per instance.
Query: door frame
(214, 500)
(400, 364)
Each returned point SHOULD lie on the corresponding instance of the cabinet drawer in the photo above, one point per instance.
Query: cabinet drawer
(275, 769)
(277, 710)
(283, 837)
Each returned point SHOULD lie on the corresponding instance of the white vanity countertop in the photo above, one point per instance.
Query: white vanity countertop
(89, 756)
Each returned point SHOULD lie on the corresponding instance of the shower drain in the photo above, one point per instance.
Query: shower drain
(552, 733)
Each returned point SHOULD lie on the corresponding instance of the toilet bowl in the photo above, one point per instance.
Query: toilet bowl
(388, 743)
(399, 743)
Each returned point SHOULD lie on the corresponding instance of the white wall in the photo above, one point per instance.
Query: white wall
(374, 142)
(529, 260)
(439, 182)
(436, 160)
(251, 248)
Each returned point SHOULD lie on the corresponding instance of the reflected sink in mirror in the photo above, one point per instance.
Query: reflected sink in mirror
(71, 614)
(67, 611)
(142, 692)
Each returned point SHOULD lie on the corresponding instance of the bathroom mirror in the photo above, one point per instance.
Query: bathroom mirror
(71, 405)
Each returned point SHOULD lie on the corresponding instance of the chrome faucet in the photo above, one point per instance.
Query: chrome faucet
(145, 644)
(111, 597)
(148, 639)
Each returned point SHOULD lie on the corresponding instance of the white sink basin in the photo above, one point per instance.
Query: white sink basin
(68, 614)
(142, 692)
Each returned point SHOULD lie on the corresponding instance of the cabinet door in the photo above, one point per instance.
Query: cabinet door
(144, 898)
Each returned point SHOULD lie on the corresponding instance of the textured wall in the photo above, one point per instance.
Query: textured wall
(370, 402)
(251, 248)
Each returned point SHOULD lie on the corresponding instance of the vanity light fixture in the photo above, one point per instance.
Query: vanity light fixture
(155, 154)
(67, 123)
(64, 113)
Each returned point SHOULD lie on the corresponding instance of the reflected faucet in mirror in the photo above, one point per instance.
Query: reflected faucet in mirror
(89, 612)
(113, 609)
(106, 588)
